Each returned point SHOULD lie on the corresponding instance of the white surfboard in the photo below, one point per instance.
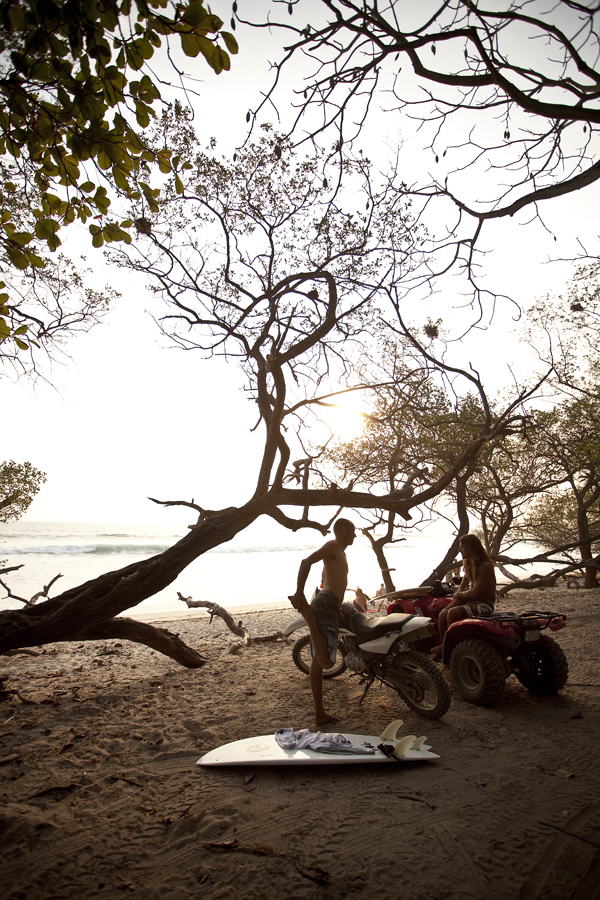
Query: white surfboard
(265, 751)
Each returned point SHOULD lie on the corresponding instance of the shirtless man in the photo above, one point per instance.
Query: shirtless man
(323, 614)
(476, 594)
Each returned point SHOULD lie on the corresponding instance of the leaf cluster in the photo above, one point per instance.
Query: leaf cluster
(75, 89)
(19, 483)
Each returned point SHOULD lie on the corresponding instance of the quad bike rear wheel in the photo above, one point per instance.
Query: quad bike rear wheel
(478, 672)
(302, 658)
(542, 667)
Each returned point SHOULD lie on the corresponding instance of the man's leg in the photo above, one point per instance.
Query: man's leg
(319, 642)
(316, 686)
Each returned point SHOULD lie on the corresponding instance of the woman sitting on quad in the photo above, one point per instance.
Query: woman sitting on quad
(476, 594)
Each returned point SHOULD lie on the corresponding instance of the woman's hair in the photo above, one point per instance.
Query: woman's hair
(477, 555)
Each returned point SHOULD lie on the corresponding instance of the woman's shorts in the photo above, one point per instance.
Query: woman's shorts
(478, 608)
(326, 607)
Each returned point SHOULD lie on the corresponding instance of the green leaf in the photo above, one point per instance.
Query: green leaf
(189, 44)
(222, 60)
(87, 187)
(120, 179)
(98, 239)
(18, 259)
(104, 160)
(230, 42)
(21, 237)
(21, 344)
(45, 228)
(141, 114)
(194, 14)
(178, 185)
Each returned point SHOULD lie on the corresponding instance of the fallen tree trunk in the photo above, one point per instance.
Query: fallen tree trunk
(88, 611)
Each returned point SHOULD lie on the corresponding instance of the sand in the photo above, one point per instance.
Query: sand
(101, 795)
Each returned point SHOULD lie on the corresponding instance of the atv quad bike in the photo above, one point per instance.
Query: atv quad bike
(482, 652)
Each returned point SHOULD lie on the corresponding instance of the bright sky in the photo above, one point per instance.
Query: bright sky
(125, 418)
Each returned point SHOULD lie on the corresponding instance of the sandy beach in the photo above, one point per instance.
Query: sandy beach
(102, 797)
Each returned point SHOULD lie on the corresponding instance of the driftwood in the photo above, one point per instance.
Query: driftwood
(5, 692)
(239, 630)
(36, 597)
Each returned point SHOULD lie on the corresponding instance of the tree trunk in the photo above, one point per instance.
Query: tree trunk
(583, 530)
(377, 546)
(463, 528)
(84, 609)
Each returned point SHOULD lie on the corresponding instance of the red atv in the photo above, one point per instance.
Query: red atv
(483, 652)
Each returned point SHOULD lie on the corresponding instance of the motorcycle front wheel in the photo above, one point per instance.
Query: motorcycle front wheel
(302, 658)
(420, 684)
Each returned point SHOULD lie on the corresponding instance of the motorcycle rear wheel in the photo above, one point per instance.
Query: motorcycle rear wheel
(302, 658)
(478, 672)
(543, 667)
(420, 684)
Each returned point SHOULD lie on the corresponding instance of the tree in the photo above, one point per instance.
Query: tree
(19, 483)
(568, 444)
(564, 331)
(421, 428)
(286, 285)
(69, 103)
(507, 96)
(552, 521)
(48, 306)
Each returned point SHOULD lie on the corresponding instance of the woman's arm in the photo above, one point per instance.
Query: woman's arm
(483, 588)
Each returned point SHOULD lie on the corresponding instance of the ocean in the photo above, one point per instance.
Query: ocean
(237, 576)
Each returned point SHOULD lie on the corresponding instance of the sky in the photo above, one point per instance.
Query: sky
(124, 417)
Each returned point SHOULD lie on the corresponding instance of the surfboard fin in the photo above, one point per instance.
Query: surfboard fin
(418, 744)
(392, 730)
(403, 745)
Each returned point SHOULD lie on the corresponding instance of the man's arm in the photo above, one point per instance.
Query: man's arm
(304, 570)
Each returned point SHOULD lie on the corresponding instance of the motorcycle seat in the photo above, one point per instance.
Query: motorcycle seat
(367, 628)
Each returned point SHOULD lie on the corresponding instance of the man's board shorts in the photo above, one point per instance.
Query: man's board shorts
(478, 608)
(326, 607)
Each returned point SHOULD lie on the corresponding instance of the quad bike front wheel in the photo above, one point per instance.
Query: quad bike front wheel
(420, 684)
(542, 667)
(478, 672)
(302, 658)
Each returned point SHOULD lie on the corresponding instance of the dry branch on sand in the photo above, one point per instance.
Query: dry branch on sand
(239, 630)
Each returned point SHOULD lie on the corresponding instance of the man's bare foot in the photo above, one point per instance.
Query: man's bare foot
(436, 653)
(326, 717)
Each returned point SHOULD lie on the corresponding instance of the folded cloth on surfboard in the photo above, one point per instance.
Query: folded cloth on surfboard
(288, 739)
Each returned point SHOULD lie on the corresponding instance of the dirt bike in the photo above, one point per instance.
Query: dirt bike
(483, 652)
(381, 649)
